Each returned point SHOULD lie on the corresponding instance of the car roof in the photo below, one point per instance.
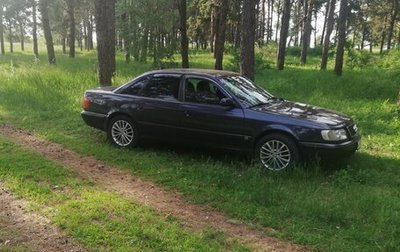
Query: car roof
(207, 72)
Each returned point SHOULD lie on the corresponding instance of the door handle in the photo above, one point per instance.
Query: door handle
(187, 114)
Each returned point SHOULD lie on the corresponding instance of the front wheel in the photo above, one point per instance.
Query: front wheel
(122, 132)
(277, 152)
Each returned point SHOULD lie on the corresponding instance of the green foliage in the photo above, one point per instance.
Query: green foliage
(296, 51)
(359, 58)
(260, 61)
(390, 60)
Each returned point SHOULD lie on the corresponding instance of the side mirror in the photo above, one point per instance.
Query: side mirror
(227, 102)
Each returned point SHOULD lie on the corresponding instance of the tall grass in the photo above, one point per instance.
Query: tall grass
(351, 204)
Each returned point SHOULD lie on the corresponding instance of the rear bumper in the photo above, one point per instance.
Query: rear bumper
(331, 149)
(94, 120)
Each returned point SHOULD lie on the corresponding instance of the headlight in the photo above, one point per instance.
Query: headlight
(334, 135)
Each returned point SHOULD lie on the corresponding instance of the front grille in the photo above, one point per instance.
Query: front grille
(352, 129)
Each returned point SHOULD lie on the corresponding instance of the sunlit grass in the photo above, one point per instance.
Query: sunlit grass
(99, 220)
(348, 205)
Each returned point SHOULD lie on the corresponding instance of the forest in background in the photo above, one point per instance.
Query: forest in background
(156, 30)
(346, 205)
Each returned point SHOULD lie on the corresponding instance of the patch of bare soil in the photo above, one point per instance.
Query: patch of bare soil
(21, 229)
(167, 202)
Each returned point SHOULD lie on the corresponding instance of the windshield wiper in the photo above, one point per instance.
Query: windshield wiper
(258, 104)
(276, 98)
(272, 98)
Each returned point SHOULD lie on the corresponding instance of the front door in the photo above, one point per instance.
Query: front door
(205, 120)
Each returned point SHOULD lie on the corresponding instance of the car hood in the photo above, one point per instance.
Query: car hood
(304, 111)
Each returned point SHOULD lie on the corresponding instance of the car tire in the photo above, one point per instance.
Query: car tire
(122, 132)
(276, 152)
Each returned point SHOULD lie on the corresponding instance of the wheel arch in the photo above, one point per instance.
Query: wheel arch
(114, 114)
(276, 130)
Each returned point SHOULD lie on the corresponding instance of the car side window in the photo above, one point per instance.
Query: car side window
(200, 90)
(162, 87)
(136, 87)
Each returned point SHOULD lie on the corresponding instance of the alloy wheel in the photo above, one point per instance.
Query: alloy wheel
(122, 133)
(275, 155)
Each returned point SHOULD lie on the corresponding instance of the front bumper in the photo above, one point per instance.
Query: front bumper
(331, 149)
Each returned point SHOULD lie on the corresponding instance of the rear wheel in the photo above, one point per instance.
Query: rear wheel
(277, 152)
(122, 132)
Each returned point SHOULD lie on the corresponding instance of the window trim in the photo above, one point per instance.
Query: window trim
(133, 82)
(178, 76)
(211, 80)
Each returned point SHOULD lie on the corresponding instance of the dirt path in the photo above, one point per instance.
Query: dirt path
(194, 216)
(27, 231)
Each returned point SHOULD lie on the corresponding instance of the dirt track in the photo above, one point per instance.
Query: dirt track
(22, 229)
(116, 180)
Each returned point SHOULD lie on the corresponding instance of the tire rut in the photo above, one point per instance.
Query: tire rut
(25, 230)
(168, 202)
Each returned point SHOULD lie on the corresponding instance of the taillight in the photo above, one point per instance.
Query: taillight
(85, 103)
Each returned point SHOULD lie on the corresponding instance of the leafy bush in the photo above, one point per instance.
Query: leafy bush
(260, 61)
(390, 60)
(296, 51)
(293, 51)
(358, 58)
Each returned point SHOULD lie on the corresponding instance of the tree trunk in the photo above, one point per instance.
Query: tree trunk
(395, 10)
(248, 39)
(343, 13)
(71, 37)
(364, 30)
(308, 7)
(90, 33)
(278, 22)
(272, 20)
(328, 4)
(262, 22)
(238, 30)
(329, 28)
(220, 34)
(315, 26)
(127, 45)
(183, 31)
(268, 21)
(22, 36)
(1, 30)
(145, 44)
(257, 22)
(80, 38)
(64, 44)
(34, 29)
(85, 35)
(283, 35)
(105, 28)
(296, 22)
(10, 36)
(47, 32)
(383, 35)
(125, 19)
(212, 29)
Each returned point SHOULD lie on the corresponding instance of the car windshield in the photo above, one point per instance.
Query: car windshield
(247, 92)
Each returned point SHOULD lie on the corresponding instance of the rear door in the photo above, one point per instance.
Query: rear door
(154, 103)
(160, 112)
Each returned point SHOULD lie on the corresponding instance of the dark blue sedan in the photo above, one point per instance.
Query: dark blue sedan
(219, 109)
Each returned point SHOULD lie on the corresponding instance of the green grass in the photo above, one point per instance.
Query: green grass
(99, 220)
(352, 204)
